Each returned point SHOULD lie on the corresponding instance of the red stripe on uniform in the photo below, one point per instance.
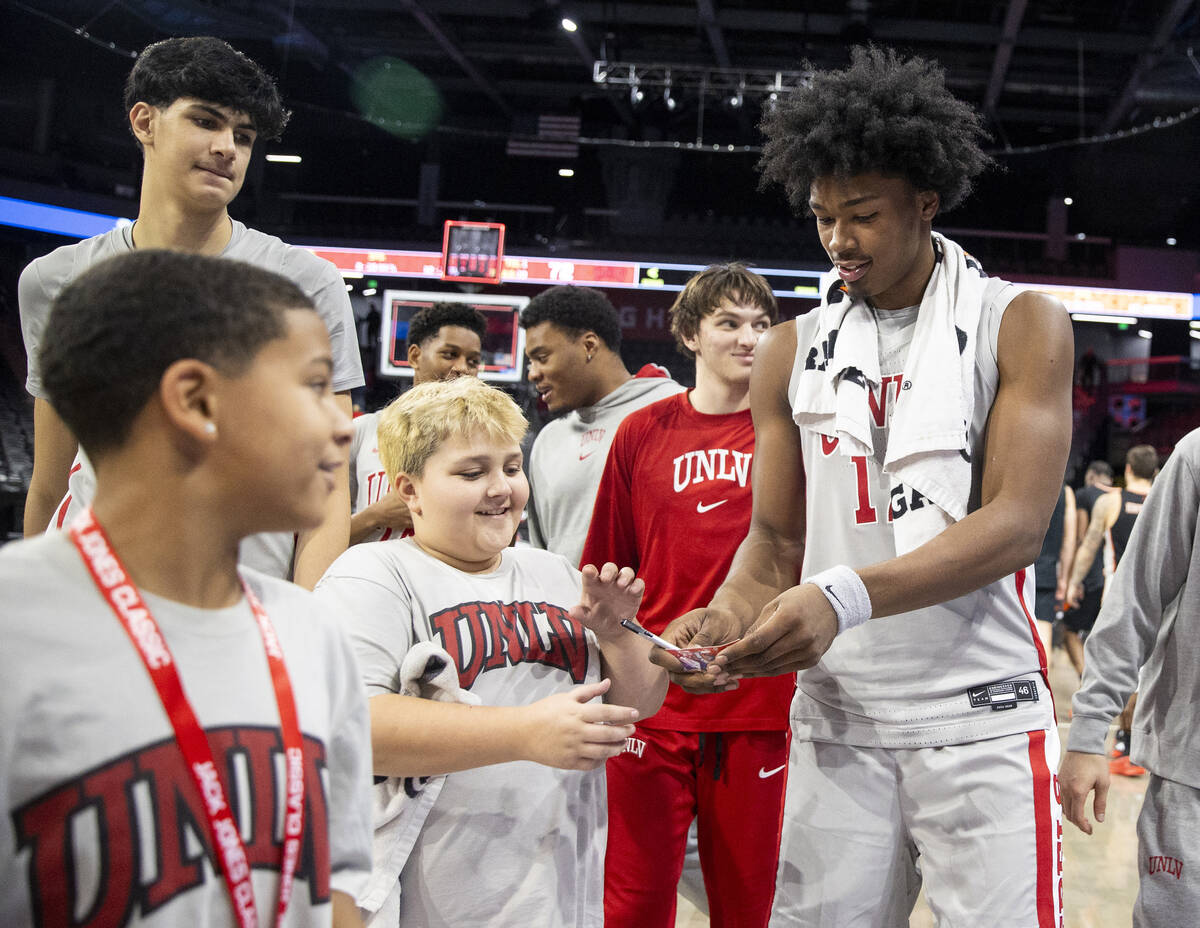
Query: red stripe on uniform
(1019, 576)
(61, 515)
(782, 807)
(1041, 820)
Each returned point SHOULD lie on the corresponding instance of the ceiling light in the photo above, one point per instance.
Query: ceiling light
(569, 24)
(669, 100)
(566, 172)
(736, 100)
(1114, 320)
(1171, 240)
(1080, 236)
(1194, 333)
(370, 291)
(1145, 333)
(1067, 201)
(284, 159)
(1194, 324)
(349, 288)
(635, 95)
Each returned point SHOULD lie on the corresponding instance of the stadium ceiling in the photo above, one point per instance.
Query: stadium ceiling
(1092, 99)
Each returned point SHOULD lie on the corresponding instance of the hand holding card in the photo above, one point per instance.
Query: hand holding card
(692, 659)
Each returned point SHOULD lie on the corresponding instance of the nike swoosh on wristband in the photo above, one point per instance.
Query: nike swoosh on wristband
(701, 507)
(764, 773)
(829, 590)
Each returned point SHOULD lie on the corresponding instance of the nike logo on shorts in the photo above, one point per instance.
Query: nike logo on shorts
(763, 773)
(702, 508)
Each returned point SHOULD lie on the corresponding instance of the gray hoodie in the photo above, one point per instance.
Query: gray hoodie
(1151, 620)
(567, 462)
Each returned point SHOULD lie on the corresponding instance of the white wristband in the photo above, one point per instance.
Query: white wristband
(846, 593)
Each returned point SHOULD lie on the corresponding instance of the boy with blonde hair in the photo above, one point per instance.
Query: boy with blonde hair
(529, 636)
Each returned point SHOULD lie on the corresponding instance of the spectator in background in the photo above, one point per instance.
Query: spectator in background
(573, 342)
(1083, 604)
(444, 341)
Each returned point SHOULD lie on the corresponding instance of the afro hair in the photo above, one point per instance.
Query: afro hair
(883, 114)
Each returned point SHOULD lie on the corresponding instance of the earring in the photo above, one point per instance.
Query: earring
(589, 359)
(210, 428)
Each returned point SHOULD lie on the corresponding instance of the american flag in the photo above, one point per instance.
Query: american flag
(557, 137)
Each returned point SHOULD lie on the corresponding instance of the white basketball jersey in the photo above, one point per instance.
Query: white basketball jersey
(368, 480)
(960, 671)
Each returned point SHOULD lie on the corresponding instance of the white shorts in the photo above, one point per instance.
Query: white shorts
(980, 823)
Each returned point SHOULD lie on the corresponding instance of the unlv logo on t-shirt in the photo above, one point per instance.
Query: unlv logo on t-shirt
(124, 835)
(590, 442)
(488, 636)
(713, 464)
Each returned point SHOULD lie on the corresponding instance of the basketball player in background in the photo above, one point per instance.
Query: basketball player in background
(1113, 517)
(1081, 609)
(573, 343)
(894, 426)
(444, 341)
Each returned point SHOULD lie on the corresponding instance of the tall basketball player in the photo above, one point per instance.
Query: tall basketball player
(894, 427)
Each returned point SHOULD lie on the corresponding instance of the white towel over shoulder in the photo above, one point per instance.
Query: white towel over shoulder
(929, 439)
(403, 803)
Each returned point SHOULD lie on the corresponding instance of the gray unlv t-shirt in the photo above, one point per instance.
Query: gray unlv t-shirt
(45, 278)
(508, 845)
(100, 822)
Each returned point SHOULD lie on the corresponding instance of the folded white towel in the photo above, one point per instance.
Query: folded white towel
(929, 447)
(401, 804)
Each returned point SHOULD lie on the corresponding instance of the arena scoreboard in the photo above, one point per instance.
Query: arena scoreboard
(472, 252)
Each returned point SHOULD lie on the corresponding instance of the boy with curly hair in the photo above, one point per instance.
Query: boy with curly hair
(894, 429)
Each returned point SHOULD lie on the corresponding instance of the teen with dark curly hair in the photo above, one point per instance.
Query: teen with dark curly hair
(895, 426)
(196, 107)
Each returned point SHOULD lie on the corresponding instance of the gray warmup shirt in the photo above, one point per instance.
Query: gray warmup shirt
(44, 278)
(567, 462)
(1150, 621)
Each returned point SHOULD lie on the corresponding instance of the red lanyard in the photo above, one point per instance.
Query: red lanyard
(127, 603)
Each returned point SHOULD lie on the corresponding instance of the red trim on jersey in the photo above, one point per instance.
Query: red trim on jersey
(61, 516)
(1041, 819)
(1019, 576)
(782, 808)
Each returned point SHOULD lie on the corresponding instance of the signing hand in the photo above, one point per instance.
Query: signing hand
(697, 629)
(793, 631)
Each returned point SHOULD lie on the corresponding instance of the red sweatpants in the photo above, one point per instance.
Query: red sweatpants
(732, 783)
